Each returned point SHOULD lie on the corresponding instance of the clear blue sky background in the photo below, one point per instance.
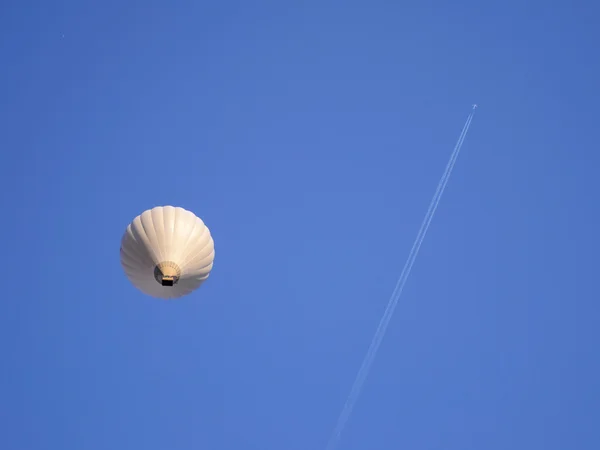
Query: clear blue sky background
(310, 137)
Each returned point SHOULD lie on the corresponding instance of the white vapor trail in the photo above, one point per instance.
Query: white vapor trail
(389, 311)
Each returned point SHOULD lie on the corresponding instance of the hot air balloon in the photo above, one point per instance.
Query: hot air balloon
(167, 252)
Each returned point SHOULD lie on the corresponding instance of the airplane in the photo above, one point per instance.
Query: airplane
(475, 106)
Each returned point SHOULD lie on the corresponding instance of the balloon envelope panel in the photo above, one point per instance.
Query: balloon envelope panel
(167, 252)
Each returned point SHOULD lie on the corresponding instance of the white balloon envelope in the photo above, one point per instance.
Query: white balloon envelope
(167, 252)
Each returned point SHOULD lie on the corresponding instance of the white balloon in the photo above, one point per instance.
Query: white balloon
(167, 252)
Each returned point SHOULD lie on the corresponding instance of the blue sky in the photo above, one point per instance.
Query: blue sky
(310, 137)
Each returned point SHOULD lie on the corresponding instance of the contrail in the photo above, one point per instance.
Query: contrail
(389, 311)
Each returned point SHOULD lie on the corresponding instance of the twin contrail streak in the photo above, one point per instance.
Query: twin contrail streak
(389, 311)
